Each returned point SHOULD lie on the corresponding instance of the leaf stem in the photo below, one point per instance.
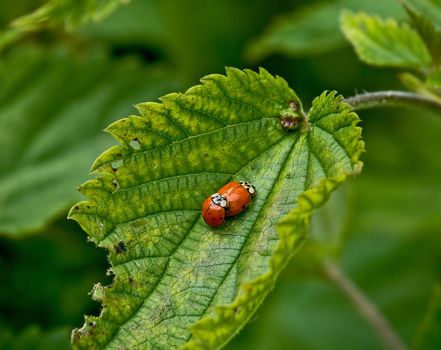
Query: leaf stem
(393, 98)
(365, 307)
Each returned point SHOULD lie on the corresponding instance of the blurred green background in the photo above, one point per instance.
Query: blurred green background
(59, 89)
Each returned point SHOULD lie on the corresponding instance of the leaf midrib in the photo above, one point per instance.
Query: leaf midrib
(263, 207)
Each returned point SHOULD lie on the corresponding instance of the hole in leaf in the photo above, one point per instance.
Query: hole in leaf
(116, 164)
(121, 247)
(116, 185)
(135, 144)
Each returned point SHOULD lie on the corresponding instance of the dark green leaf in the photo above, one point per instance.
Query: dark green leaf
(34, 338)
(70, 13)
(52, 110)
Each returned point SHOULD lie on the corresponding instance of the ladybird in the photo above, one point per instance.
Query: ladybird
(239, 195)
(213, 209)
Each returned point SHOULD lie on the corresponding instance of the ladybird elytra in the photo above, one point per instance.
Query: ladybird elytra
(239, 195)
(213, 210)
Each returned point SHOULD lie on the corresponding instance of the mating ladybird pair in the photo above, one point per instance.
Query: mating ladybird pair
(230, 200)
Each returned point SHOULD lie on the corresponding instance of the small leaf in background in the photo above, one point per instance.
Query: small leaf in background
(428, 32)
(434, 80)
(52, 110)
(384, 42)
(429, 335)
(428, 8)
(312, 29)
(69, 14)
(176, 279)
(429, 87)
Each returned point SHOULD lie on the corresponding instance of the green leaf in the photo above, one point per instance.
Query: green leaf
(430, 87)
(69, 14)
(43, 277)
(429, 336)
(428, 32)
(311, 29)
(384, 42)
(178, 282)
(34, 338)
(52, 108)
(434, 80)
(429, 8)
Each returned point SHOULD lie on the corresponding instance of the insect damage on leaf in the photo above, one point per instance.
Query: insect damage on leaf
(178, 283)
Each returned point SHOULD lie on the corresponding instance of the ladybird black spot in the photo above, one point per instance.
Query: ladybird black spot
(243, 206)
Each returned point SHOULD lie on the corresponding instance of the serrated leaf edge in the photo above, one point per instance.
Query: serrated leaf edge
(290, 239)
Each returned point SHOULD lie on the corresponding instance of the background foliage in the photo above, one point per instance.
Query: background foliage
(384, 225)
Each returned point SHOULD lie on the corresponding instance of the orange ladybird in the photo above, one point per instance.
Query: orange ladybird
(239, 195)
(213, 209)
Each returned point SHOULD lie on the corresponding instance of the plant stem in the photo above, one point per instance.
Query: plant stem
(365, 307)
(393, 98)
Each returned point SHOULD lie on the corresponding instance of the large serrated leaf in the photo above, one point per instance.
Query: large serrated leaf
(178, 282)
(384, 42)
(52, 110)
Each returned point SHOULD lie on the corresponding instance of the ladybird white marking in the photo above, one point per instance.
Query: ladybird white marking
(250, 188)
(219, 199)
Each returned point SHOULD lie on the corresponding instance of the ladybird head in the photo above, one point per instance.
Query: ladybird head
(250, 188)
(219, 199)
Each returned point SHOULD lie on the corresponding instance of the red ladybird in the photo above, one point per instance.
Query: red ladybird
(213, 209)
(239, 195)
